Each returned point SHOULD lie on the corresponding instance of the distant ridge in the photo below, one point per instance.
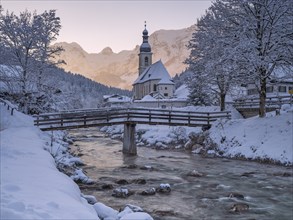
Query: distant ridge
(120, 69)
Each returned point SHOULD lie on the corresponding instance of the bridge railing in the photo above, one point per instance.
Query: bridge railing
(102, 117)
(275, 101)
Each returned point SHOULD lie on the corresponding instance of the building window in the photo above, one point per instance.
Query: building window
(146, 61)
(282, 89)
(252, 91)
(165, 94)
(290, 87)
(166, 88)
(270, 89)
(155, 87)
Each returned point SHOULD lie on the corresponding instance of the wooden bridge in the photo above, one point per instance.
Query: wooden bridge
(249, 107)
(127, 116)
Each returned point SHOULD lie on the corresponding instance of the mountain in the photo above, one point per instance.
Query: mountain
(121, 69)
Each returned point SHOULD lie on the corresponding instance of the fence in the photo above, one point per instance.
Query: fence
(10, 106)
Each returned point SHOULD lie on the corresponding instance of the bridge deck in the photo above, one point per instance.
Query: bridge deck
(103, 117)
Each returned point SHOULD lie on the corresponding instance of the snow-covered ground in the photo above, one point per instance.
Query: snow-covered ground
(33, 188)
(31, 185)
(269, 138)
(257, 138)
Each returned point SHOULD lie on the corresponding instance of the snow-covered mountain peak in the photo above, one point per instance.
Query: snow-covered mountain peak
(107, 51)
(121, 69)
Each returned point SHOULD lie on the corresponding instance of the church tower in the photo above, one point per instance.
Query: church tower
(145, 55)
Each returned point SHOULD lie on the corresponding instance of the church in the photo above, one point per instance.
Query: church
(153, 78)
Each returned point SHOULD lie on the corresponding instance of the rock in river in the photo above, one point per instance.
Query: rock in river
(139, 181)
(164, 188)
(122, 182)
(148, 192)
(239, 207)
(236, 195)
(121, 192)
(195, 173)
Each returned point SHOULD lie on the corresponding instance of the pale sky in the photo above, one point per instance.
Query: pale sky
(96, 24)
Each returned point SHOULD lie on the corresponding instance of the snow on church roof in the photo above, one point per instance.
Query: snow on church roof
(156, 71)
(166, 82)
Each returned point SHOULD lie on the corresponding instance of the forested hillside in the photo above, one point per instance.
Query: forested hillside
(28, 76)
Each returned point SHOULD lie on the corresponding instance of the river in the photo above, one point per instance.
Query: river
(267, 189)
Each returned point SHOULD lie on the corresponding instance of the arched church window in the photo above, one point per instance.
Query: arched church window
(146, 61)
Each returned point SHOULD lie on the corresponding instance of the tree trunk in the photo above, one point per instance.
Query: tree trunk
(23, 98)
(262, 99)
(222, 101)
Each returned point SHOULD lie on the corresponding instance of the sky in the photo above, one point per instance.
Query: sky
(96, 24)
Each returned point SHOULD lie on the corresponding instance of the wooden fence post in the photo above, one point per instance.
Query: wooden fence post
(128, 115)
(150, 119)
(208, 115)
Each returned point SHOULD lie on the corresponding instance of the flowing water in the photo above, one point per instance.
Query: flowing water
(267, 189)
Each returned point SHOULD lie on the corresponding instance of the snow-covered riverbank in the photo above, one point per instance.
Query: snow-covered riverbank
(31, 185)
(264, 139)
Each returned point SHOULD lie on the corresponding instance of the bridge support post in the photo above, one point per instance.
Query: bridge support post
(129, 146)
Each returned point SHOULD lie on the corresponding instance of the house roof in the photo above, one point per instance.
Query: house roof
(116, 98)
(156, 71)
(283, 74)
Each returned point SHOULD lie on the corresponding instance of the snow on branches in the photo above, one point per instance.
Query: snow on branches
(240, 42)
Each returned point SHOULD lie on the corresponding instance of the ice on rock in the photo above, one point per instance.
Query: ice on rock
(80, 176)
(105, 212)
(90, 199)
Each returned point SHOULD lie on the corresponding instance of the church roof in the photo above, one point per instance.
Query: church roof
(156, 71)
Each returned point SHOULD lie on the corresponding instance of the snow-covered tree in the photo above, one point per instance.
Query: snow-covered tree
(49, 26)
(27, 38)
(208, 59)
(199, 89)
(265, 34)
(244, 40)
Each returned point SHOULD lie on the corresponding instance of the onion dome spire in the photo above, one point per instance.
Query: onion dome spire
(145, 47)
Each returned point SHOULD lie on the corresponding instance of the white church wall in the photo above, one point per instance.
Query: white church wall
(160, 103)
(166, 89)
